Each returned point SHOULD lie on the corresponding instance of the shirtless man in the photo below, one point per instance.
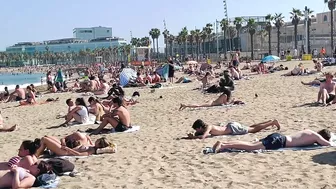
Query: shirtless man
(119, 118)
(204, 130)
(18, 94)
(327, 90)
(275, 141)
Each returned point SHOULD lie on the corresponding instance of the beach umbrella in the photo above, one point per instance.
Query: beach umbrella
(126, 75)
(270, 58)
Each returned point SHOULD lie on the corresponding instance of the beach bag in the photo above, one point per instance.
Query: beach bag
(61, 166)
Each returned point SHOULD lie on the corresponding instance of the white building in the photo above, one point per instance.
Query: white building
(92, 33)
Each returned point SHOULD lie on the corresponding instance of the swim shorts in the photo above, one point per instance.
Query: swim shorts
(120, 127)
(331, 98)
(237, 128)
(18, 98)
(274, 141)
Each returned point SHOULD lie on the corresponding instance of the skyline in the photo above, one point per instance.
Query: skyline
(38, 20)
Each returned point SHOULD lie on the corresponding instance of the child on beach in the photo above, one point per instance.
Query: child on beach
(204, 130)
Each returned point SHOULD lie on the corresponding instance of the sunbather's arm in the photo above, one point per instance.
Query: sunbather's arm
(207, 132)
(321, 141)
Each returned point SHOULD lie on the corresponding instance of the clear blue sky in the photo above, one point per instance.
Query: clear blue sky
(38, 20)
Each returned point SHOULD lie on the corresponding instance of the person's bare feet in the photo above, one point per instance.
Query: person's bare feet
(13, 128)
(276, 123)
(216, 147)
(182, 107)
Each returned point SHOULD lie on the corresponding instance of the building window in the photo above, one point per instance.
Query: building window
(325, 18)
(85, 31)
(107, 31)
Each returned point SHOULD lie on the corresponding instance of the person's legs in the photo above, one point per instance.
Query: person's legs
(238, 145)
(106, 121)
(52, 145)
(260, 126)
(325, 96)
(10, 129)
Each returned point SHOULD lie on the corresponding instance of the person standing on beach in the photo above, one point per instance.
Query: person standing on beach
(18, 94)
(171, 70)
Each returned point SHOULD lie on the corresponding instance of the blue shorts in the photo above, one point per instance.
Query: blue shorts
(274, 141)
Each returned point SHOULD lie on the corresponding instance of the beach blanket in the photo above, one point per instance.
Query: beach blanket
(108, 131)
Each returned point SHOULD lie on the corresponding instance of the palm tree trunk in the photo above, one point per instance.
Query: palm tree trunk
(269, 44)
(192, 49)
(308, 32)
(157, 47)
(209, 47)
(166, 49)
(224, 43)
(278, 39)
(295, 36)
(252, 49)
(197, 50)
(332, 31)
(238, 40)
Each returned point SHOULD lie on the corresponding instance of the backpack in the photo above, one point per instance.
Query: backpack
(61, 166)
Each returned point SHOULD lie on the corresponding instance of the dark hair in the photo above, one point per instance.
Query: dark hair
(44, 167)
(81, 102)
(31, 146)
(68, 101)
(91, 99)
(29, 87)
(136, 93)
(121, 91)
(199, 124)
(118, 100)
(17, 86)
(325, 133)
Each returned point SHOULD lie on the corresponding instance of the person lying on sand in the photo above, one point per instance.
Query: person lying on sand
(80, 113)
(18, 94)
(327, 90)
(77, 144)
(204, 130)
(276, 141)
(26, 156)
(119, 118)
(298, 70)
(19, 177)
(223, 99)
(3, 128)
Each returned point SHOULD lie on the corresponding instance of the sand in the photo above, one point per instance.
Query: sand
(153, 158)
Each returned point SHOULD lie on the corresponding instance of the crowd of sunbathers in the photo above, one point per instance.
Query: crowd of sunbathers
(21, 171)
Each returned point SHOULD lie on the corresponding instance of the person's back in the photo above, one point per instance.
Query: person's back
(124, 116)
(21, 93)
(305, 138)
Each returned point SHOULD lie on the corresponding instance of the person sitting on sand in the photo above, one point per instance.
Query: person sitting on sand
(77, 144)
(80, 113)
(276, 141)
(104, 88)
(19, 177)
(234, 73)
(18, 94)
(223, 99)
(327, 90)
(31, 99)
(318, 65)
(121, 123)
(204, 130)
(76, 84)
(139, 80)
(95, 108)
(4, 95)
(156, 77)
(298, 70)
(226, 82)
(26, 156)
(148, 78)
(3, 128)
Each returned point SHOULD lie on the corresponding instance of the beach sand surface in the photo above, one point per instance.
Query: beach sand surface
(154, 157)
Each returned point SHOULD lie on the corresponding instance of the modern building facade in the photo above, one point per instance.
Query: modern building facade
(69, 44)
(92, 33)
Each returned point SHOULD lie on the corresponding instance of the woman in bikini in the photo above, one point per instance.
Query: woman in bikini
(19, 177)
(76, 144)
(80, 113)
(30, 97)
(223, 99)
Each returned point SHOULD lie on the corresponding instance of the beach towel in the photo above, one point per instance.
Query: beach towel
(108, 131)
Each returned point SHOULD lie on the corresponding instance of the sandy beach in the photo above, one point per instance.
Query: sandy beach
(154, 158)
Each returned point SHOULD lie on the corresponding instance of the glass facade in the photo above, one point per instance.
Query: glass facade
(65, 47)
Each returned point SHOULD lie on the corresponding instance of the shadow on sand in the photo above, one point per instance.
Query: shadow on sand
(310, 104)
(326, 158)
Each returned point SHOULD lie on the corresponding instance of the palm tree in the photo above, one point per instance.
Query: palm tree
(251, 25)
(269, 18)
(296, 15)
(197, 39)
(232, 35)
(310, 12)
(171, 40)
(224, 24)
(262, 33)
(238, 22)
(184, 37)
(191, 39)
(155, 34)
(203, 37)
(208, 31)
(135, 42)
(331, 6)
(166, 35)
(278, 22)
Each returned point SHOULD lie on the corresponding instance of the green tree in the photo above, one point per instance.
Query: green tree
(251, 25)
(238, 22)
(278, 22)
(296, 15)
(269, 19)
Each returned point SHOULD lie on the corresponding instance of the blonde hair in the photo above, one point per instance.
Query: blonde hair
(104, 142)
